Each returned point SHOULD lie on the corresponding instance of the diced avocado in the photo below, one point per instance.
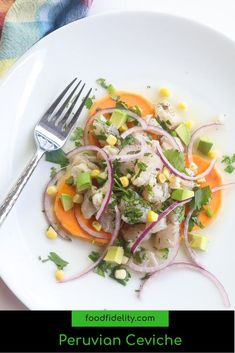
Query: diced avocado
(184, 133)
(67, 202)
(182, 194)
(204, 146)
(118, 118)
(114, 254)
(83, 181)
(198, 241)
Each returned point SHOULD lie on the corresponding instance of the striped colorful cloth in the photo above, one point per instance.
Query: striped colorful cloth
(24, 22)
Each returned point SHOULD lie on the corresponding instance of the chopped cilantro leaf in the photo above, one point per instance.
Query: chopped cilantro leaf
(77, 136)
(94, 256)
(133, 214)
(180, 213)
(229, 169)
(109, 87)
(229, 162)
(194, 220)
(140, 256)
(58, 261)
(129, 140)
(57, 157)
(115, 98)
(136, 109)
(53, 172)
(89, 102)
(121, 105)
(142, 166)
(102, 82)
(202, 197)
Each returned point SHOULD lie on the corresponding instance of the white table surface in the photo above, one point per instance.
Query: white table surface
(218, 14)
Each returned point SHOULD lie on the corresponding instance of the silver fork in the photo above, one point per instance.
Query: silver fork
(50, 134)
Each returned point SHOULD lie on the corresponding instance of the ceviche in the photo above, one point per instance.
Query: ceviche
(140, 183)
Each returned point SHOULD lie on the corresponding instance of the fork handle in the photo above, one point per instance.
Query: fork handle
(15, 192)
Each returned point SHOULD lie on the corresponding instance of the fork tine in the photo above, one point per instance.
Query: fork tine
(57, 100)
(60, 111)
(69, 111)
(78, 112)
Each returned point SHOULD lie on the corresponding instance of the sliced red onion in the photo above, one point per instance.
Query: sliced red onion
(203, 271)
(107, 197)
(186, 241)
(158, 130)
(181, 175)
(96, 263)
(140, 120)
(223, 187)
(148, 229)
(87, 229)
(48, 204)
(196, 133)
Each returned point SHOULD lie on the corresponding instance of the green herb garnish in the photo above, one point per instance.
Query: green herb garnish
(121, 105)
(89, 102)
(53, 172)
(109, 87)
(194, 220)
(133, 214)
(58, 261)
(129, 140)
(140, 256)
(201, 198)
(142, 166)
(229, 162)
(57, 157)
(136, 109)
(77, 136)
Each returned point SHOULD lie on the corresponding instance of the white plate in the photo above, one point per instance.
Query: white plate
(132, 50)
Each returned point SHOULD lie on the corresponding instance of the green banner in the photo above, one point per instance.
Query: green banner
(120, 318)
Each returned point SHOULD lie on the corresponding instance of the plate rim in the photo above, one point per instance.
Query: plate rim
(30, 304)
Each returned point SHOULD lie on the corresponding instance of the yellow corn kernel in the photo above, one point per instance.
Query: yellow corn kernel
(95, 173)
(166, 172)
(202, 180)
(52, 190)
(123, 128)
(125, 181)
(212, 154)
(189, 124)
(59, 275)
(97, 226)
(111, 140)
(164, 92)
(152, 216)
(78, 198)
(51, 233)
(161, 178)
(182, 106)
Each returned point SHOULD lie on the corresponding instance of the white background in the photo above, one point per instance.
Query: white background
(218, 14)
